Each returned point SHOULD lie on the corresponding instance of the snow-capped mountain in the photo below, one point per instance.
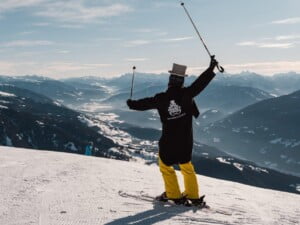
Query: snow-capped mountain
(226, 98)
(266, 133)
(278, 84)
(215, 98)
(63, 92)
(35, 121)
(229, 99)
(41, 187)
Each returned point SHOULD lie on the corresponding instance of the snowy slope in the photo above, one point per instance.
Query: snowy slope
(41, 187)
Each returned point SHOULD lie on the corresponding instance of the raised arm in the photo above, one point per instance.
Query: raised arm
(143, 104)
(203, 80)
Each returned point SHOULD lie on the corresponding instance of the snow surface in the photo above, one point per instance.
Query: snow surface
(42, 187)
(6, 94)
(3, 107)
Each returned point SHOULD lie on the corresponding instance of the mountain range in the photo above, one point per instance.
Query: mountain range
(266, 133)
(128, 135)
(35, 121)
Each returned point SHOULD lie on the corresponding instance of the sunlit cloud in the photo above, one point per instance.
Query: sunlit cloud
(287, 37)
(177, 39)
(63, 51)
(267, 44)
(276, 45)
(77, 12)
(293, 20)
(135, 43)
(136, 59)
(26, 33)
(247, 43)
(151, 31)
(44, 24)
(8, 5)
(26, 43)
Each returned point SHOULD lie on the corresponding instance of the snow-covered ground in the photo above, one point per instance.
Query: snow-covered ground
(41, 187)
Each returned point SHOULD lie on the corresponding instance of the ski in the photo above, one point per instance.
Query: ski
(142, 196)
(145, 197)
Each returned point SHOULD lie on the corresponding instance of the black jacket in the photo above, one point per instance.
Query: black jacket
(176, 108)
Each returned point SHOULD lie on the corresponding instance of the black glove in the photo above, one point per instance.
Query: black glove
(129, 103)
(213, 62)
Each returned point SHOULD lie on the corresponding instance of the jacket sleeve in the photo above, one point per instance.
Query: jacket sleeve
(144, 104)
(200, 83)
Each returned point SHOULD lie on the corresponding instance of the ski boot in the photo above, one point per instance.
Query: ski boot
(178, 201)
(199, 202)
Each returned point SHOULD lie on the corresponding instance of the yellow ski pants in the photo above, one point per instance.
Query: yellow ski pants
(171, 182)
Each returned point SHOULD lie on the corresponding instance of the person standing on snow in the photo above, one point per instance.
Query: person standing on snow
(89, 148)
(176, 108)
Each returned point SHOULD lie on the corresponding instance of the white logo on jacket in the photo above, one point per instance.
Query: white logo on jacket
(174, 109)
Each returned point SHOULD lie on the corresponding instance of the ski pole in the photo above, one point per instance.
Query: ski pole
(133, 72)
(220, 68)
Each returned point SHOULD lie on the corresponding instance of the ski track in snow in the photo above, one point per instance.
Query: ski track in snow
(51, 188)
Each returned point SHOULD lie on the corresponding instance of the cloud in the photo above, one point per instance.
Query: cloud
(135, 43)
(140, 42)
(267, 44)
(26, 43)
(77, 12)
(287, 37)
(8, 5)
(293, 20)
(63, 51)
(266, 68)
(280, 41)
(68, 11)
(136, 59)
(152, 31)
(26, 33)
(276, 45)
(44, 24)
(177, 39)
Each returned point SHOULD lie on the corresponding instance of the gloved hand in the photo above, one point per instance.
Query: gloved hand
(213, 62)
(129, 103)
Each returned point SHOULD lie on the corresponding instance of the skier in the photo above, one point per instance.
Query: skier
(89, 148)
(176, 108)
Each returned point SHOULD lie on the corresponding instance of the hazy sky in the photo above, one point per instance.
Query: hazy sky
(59, 38)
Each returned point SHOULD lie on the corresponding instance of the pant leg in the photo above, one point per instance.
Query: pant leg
(190, 180)
(170, 180)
